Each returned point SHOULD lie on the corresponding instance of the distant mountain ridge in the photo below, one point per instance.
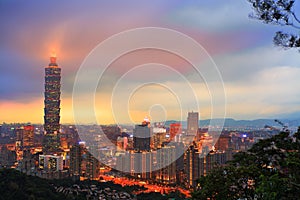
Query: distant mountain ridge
(256, 123)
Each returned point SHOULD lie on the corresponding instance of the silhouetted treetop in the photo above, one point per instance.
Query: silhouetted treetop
(279, 12)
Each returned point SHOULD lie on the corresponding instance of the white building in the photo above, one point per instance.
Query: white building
(51, 162)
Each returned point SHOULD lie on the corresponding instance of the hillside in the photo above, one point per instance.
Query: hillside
(16, 185)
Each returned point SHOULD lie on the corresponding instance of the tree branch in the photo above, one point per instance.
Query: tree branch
(295, 17)
(297, 27)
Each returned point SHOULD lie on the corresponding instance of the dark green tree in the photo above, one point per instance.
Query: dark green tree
(279, 12)
(16, 185)
(269, 170)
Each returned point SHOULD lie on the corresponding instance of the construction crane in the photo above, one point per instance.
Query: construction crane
(284, 127)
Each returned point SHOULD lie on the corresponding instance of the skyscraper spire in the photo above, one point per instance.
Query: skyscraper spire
(53, 61)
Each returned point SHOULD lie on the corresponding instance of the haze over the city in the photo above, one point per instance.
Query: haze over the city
(260, 80)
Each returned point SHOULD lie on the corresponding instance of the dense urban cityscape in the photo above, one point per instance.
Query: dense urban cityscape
(162, 157)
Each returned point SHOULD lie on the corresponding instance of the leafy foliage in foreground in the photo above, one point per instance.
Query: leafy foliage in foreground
(279, 12)
(158, 196)
(269, 170)
(16, 185)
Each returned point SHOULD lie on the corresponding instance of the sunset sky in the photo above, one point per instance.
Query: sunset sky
(260, 80)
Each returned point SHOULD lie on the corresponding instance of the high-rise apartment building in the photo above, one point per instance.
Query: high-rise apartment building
(175, 128)
(192, 159)
(192, 123)
(19, 137)
(75, 160)
(52, 106)
(166, 165)
(223, 143)
(199, 164)
(51, 162)
(123, 162)
(83, 163)
(92, 168)
(142, 164)
(24, 136)
(142, 136)
(28, 137)
(158, 137)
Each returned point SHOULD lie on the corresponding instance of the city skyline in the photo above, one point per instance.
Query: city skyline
(258, 77)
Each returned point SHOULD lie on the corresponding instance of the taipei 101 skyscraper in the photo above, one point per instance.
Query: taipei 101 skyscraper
(52, 107)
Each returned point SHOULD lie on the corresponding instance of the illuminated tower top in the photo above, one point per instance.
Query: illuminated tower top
(146, 121)
(53, 61)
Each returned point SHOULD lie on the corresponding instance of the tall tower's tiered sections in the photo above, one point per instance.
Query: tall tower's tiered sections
(52, 107)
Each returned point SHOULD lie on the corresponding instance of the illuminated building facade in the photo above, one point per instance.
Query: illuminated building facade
(28, 137)
(223, 143)
(205, 145)
(19, 137)
(51, 162)
(138, 164)
(175, 128)
(159, 137)
(68, 137)
(75, 159)
(192, 165)
(92, 169)
(83, 163)
(123, 162)
(122, 143)
(166, 165)
(141, 165)
(52, 106)
(24, 137)
(200, 164)
(8, 155)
